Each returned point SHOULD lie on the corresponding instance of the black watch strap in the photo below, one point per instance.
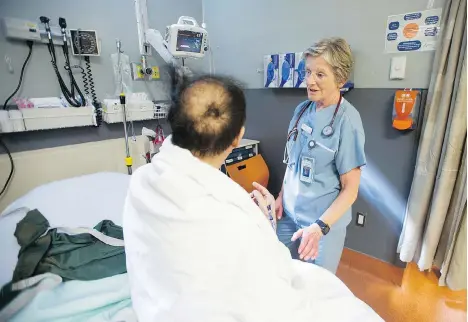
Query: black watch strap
(323, 226)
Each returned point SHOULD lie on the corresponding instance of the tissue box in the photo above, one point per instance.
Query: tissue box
(270, 67)
(299, 71)
(286, 62)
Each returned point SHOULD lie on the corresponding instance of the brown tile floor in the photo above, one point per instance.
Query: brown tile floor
(419, 298)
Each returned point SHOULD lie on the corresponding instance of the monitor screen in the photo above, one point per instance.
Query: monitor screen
(189, 41)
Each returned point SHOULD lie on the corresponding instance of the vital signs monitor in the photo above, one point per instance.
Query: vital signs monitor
(186, 39)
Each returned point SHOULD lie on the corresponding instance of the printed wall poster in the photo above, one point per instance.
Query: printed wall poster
(416, 31)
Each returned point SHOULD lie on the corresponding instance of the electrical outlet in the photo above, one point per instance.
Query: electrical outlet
(138, 73)
(360, 219)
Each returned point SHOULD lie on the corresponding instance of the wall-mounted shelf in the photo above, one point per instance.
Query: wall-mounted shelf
(46, 118)
(136, 111)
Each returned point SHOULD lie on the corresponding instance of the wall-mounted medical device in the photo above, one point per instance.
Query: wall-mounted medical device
(405, 109)
(181, 41)
(20, 29)
(84, 42)
(186, 39)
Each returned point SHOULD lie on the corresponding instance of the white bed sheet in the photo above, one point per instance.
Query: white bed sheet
(76, 202)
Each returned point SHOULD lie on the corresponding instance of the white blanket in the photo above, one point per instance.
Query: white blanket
(199, 249)
(106, 299)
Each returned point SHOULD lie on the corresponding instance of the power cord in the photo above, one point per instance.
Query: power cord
(12, 164)
(30, 45)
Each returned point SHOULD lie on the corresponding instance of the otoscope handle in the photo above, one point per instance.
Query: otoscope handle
(62, 23)
(44, 19)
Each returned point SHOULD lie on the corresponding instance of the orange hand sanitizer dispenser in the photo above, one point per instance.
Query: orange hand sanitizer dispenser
(404, 109)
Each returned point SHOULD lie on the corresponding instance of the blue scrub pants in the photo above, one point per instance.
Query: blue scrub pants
(330, 246)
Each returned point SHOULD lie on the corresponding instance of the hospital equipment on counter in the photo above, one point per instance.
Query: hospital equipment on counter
(326, 131)
(45, 113)
(82, 43)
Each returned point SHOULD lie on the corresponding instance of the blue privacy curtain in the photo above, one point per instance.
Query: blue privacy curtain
(434, 231)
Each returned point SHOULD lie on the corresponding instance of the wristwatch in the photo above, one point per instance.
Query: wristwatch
(323, 226)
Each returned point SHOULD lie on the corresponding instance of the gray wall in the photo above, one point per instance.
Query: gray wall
(386, 180)
(242, 31)
(111, 18)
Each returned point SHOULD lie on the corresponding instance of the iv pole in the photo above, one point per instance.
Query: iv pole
(128, 158)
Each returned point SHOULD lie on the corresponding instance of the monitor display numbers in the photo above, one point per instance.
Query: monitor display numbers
(189, 41)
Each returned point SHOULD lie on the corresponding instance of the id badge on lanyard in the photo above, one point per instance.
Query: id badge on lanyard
(307, 169)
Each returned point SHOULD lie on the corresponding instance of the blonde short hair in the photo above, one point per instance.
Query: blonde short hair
(337, 53)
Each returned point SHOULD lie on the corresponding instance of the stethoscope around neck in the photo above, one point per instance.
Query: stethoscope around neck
(327, 131)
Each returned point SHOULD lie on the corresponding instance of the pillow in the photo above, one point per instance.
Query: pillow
(76, 202)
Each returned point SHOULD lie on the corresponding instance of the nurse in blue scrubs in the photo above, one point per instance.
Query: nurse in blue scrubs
(324, 155)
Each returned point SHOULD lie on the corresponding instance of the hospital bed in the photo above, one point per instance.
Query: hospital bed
(76, 202)
(82, 202)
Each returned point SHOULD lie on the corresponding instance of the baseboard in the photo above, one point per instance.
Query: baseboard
(372, 266)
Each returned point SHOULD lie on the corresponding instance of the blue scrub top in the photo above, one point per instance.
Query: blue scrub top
(332, 156)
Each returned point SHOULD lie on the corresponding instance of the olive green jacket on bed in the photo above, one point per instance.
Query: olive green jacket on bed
(73, 257)
(70, 256)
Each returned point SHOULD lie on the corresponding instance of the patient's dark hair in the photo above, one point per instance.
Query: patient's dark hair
(207, 114)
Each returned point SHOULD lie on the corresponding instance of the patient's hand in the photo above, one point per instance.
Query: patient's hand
(265, 201)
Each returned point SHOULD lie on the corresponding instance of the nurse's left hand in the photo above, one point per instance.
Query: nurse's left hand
(310, 237)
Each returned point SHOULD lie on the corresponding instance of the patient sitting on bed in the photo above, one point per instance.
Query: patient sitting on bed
(198, 248)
